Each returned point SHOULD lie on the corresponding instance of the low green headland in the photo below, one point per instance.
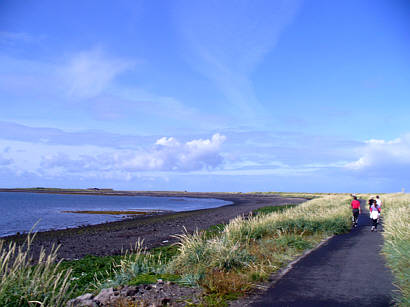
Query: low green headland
(89, 191)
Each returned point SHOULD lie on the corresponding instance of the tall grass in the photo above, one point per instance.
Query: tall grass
(229, 260)
(396, 248)
(257, 246)
(25, 281)
(135, 266)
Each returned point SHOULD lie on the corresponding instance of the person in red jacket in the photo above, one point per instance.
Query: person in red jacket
(356, 210)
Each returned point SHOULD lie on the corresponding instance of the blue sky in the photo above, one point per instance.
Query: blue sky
(206, 95)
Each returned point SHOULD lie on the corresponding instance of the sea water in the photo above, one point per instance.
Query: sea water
(19, 211)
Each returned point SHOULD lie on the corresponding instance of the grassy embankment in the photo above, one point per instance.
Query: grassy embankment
(396, 248)
(226, 260)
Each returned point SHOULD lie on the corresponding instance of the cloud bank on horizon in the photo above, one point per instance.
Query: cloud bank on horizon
(52, 155)
(207, 96)
(384, 157)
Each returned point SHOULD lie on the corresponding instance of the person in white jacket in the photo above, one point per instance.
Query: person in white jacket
(374, 214)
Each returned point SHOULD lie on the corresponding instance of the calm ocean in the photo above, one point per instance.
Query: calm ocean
(20, 211)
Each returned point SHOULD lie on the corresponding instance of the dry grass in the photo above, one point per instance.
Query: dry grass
(216, 282)
(28, 282)
(396, 218)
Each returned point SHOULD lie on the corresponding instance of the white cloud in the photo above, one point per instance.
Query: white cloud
(87, 74)
(164, 141)
(171, 155)
(166, 155)
(384, 158)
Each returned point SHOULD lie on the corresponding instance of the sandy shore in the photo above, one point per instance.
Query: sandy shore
(156, 230)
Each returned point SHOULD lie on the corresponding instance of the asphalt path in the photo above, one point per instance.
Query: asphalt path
(347, 271)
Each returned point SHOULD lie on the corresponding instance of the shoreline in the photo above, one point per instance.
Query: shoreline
(126, 213)
(115, 237)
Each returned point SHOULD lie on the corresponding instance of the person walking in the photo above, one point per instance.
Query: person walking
(379, 203)
(374, 214)
(370, 202)
(356, 210)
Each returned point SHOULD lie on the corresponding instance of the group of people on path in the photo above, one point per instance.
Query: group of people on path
(375, 206)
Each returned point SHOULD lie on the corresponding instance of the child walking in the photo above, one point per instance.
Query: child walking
(374, 213)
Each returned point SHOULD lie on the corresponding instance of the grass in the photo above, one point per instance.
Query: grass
(396, 248)
(246, 251)
(25, 284)
(295, 194)
(140, 266)
(270, 209)
(90, 273)
(25, 281)
(85, 270)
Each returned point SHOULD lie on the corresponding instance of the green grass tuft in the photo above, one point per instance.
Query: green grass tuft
(271, 209)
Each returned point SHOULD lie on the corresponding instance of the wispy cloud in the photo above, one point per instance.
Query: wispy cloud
(88, 73)
(143, 104)
(27, 78)
(79, 76)
(90, 80)
(53, 136)
(4, 161)
(227, 40)
(13, 38)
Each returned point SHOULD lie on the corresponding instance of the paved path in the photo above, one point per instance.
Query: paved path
(347, 271)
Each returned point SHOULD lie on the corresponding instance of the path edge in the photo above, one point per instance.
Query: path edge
(276, 277)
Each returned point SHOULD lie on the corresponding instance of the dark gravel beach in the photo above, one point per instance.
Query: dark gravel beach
(155, 230)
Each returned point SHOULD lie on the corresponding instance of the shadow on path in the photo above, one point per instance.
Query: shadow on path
(347, 271)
